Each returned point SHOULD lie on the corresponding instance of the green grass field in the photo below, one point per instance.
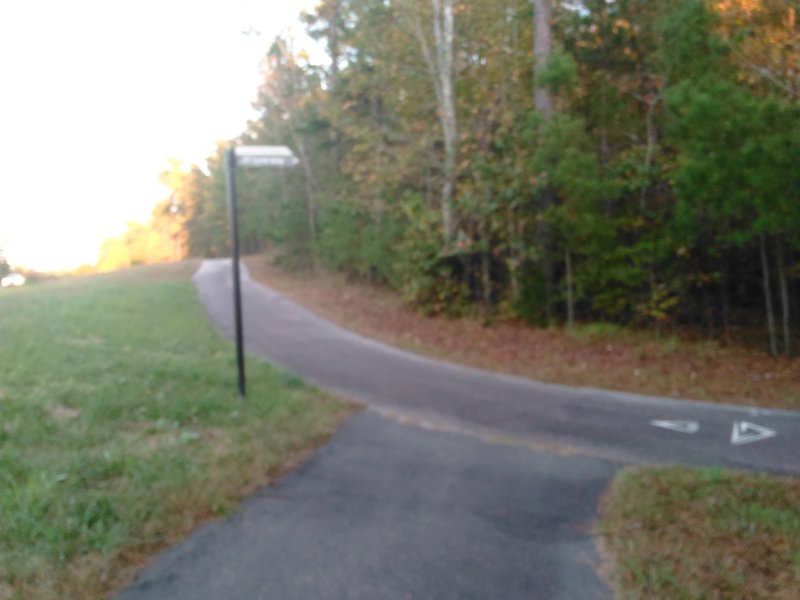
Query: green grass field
(678, 533)
(120, 427)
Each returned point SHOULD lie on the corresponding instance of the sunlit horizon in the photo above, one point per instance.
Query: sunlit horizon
(100, 96)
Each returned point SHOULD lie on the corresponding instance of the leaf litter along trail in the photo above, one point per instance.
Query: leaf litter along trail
(619, 360)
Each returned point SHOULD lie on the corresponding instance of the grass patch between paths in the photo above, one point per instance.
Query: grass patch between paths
(679, 533)
(120, 427)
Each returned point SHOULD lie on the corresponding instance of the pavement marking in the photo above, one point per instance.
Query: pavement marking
(681, 426)
(744, 433)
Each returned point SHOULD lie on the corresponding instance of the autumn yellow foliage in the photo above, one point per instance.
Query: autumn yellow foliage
(161, 240)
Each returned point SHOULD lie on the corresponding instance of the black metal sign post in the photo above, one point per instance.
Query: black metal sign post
(246, 156)
(230, 173)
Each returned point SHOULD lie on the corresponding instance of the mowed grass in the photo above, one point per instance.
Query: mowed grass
(678, 533)
(120, 427)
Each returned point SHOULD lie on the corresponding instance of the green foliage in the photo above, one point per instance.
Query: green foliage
(672, 148)
(201, 197)
(343, 229)
(560, 73)
(290, 232)
(423, 273)
(353, 241)
(689, 47)
(530, 305)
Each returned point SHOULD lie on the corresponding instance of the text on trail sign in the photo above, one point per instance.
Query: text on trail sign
(265, 156)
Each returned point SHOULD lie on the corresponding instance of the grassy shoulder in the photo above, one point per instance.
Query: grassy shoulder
(120, 427)
(704, 533)
(595, 355)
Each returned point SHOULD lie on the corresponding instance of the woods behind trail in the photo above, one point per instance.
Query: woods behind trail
(630, 161)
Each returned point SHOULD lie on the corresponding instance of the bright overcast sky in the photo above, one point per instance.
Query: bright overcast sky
(97, 96)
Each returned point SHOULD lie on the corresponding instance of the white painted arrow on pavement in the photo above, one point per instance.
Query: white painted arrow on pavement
(682, 426)
(744, 433)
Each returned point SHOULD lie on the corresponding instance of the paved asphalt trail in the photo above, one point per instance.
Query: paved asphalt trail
(391, 511)
(459, 483)
(598, 423)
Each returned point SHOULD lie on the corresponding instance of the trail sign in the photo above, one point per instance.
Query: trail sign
(265, 156)
(247, 156)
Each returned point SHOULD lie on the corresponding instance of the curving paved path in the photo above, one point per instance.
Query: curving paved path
(457, 483)
(598, 423)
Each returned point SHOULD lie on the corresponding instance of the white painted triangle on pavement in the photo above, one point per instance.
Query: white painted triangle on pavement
(681, 426)
(744, 433)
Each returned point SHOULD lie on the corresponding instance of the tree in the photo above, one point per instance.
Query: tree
(637, 166)
(287, 92)
(159, 240)
(736, 170)
(439, 60)
(542, 51)
(4, 266)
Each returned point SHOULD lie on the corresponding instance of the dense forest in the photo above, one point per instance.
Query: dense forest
(628, 161)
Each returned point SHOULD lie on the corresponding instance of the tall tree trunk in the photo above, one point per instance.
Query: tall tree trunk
(483, 232)
(706, 313)
(725, 299)
(794, 297)
(605, 151)
(543, 103)
(654, 296)
(547, 266)
(784, 287)
(310, 188)
(570, 293)
(440, 66)
(486, 275)
(652, 143)
(773, 339)
(333, 42)
(284, 192)
(334, 48)
(288, 103)
(443, 33)
(542, 50)
(515, 253)
(431, 194)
